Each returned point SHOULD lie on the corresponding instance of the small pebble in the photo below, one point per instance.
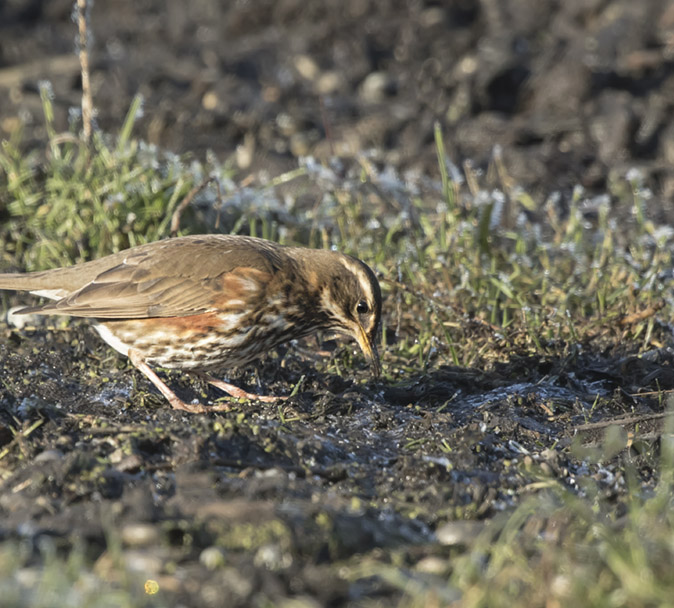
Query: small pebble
(459, 532)
(139, 535)
(212, 557)
(49, 456)
(433, 565)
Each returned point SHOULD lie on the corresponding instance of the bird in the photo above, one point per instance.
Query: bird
(200, 303)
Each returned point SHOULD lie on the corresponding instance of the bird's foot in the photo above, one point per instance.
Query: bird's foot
(235, 391)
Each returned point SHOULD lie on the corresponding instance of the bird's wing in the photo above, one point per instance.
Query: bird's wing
(181, 278)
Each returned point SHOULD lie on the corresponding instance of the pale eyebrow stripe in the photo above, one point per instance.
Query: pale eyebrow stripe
(362, 278)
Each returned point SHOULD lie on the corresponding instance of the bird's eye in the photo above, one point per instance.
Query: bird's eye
(362, 307)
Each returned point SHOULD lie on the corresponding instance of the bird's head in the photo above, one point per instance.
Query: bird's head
(350, 300)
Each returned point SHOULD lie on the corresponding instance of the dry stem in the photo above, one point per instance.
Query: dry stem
(87, 104)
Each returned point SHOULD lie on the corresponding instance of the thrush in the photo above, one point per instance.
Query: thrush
(207, 302)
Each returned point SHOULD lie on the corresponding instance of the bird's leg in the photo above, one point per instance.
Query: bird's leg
(194, 408)
(176, 402)
(233, 390)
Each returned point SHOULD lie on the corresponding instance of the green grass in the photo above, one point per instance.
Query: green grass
(561, 548)
(85, 201)
(68, 579)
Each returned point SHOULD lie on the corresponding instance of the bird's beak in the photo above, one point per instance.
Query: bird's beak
(369, 350)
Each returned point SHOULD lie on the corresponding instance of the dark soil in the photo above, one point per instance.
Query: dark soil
(278, 494)
(263, 500)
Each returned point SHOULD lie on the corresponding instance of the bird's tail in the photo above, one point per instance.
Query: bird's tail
(44, 283)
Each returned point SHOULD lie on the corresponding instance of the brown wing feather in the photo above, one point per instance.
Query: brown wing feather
(178, 277)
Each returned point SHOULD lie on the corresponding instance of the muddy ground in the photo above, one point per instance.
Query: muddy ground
(259, 503)
(311, 498)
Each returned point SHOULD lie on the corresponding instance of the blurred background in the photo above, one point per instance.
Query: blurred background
(576, 92)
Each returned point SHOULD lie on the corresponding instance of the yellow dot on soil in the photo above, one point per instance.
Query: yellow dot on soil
(151, 586)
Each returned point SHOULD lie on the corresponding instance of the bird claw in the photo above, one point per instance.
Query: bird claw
(198, 408)
(235, 391)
